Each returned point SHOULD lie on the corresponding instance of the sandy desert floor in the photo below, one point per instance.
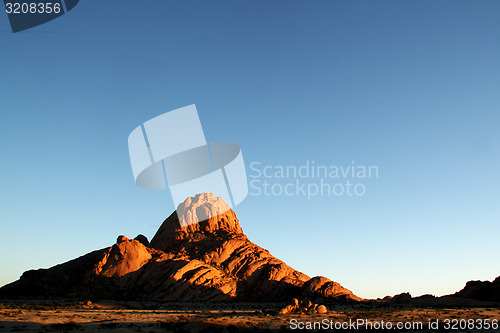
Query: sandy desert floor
(64, 316)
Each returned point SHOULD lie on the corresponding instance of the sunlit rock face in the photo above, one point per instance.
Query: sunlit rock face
(205, 207)
(222, 223)
(122, 258)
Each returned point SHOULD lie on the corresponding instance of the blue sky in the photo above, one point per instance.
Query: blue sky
(411, 87)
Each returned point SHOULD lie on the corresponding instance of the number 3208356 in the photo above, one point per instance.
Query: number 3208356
(32, 8)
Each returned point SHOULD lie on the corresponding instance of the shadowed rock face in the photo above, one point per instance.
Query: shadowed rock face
(481, 290)
(211, 260)
(474, 294)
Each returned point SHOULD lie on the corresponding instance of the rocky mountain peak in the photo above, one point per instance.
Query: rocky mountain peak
(211, 260)
(217, 221)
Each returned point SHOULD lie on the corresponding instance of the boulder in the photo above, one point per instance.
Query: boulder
(123, 258)
(121, 239)
(304, 306)
(320, 287)
(142, 239)
(321, 309)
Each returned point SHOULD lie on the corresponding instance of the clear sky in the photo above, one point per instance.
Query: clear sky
(412, 87)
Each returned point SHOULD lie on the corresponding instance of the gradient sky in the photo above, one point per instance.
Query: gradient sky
(412, 87)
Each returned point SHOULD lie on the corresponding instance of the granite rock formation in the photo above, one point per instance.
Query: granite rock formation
(211, 260)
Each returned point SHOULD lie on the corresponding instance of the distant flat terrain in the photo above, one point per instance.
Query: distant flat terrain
(66, 316)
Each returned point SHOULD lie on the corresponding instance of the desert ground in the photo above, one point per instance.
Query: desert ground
(85, 316)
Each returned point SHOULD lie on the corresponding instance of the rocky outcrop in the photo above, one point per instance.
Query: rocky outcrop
(321, 287)
(481, 290)
(211, 260)
(303, 307)
(403, 298)
(475, 294)
(142, 239)
(125, 257)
